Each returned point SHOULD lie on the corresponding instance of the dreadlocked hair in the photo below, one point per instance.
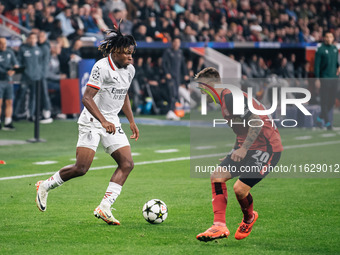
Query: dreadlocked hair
(208, 75)
(116, 42)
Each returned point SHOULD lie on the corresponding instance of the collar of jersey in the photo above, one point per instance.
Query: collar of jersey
(112, 64)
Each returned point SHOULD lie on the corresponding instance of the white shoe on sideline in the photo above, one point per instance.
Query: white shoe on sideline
(46, 114)
(46, 121)
(172, 116)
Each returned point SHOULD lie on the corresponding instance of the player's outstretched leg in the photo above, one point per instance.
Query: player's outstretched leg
(82, 165)
(125, 165)
(245, 200)
(219, 202)
(43, 187)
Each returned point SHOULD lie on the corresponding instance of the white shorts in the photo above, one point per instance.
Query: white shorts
(89, 137)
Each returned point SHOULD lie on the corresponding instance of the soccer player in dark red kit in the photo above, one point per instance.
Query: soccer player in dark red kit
(256, 145)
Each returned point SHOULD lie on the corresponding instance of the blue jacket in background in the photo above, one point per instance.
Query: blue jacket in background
(31, 58)
(7, 61)
(45, 48)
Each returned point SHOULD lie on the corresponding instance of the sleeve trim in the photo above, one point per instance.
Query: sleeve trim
(92, 86)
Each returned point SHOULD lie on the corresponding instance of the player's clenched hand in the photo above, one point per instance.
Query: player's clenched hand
(109, 127)
(239, 154)
(229, 153)
(135, 131)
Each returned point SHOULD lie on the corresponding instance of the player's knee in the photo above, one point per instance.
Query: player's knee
(80, 170)
(127, 165)
(214, 177)
(239, 191)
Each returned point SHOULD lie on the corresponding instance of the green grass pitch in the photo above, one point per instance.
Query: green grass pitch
(296, 216)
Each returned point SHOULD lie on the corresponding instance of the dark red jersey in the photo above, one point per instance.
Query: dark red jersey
(269, 138)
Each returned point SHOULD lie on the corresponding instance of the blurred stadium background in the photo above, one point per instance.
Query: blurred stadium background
(255, 39)
(259, 39)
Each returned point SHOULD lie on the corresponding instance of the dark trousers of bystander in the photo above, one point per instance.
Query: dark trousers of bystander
(328, 90)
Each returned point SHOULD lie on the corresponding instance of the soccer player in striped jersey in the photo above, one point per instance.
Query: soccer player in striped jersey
(256, 145)
(105, 96)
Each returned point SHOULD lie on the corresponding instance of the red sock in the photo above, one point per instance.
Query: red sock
(247, 208)
(219, 201)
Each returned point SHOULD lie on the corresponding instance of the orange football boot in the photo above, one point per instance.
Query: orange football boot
(214, 232)
(244, 229)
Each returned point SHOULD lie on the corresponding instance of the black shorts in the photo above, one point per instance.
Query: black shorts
(253, 168)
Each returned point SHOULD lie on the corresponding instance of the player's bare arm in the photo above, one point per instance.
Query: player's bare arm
(129, 115)
(93, 109)
(253, 133)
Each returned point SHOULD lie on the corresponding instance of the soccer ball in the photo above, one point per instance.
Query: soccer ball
(155, 211)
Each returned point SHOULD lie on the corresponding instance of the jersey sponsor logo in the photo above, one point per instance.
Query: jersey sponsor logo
(118, 94)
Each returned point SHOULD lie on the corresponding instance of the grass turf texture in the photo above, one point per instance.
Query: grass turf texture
(296, 216)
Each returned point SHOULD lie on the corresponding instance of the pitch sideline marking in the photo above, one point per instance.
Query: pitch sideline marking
(166, 151)
(170, 160)
(306, 137)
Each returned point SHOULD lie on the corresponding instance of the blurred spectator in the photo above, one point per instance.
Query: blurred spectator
(189, 34)
(54, 76)
(13, 15)
(175, 73)
(140, 35)
(131, 10)
(327, 70)
(76, 21)
(153, 25)
(30, 57)
(8, 62)
(254, 66)
(56, 30)
(66, 22)
(39, 17)
(199, 66)
(112, 5)
(125, 25)
(137, 86)
(251, 20)
(245, 69)
(44, 45)
(24, 17)
(75, 57)
(91, 28)
(48, 20)
(97, 15)
(154, 86)
(64, 57)
(263, 70)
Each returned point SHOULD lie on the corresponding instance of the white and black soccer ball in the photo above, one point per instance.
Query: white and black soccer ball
(155, 211)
